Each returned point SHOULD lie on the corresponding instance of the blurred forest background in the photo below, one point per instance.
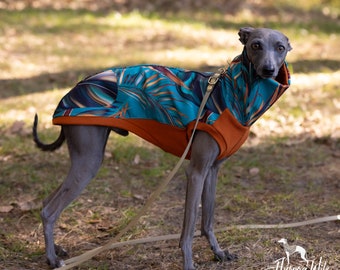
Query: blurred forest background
(287, 171)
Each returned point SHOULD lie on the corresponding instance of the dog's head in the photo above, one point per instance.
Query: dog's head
(282, 241)
(266, 49)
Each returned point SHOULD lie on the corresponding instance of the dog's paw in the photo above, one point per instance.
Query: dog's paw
(230, 256)
(60, 252)
(225, 256)
(61, 263)
(56, 264)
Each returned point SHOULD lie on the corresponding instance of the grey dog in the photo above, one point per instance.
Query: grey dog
(257, 74)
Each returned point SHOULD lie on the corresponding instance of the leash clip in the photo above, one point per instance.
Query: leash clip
(213, 79)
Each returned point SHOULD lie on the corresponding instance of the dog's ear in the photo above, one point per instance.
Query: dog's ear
(244, 34)
(289, 46)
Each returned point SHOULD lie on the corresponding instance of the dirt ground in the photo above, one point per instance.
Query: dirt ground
(248, 193)
(288, 171)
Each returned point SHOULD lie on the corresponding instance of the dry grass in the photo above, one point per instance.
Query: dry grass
(288, 170)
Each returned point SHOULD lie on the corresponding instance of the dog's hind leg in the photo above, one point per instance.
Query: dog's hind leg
(302, 252)
(86, 147)
(208, 207)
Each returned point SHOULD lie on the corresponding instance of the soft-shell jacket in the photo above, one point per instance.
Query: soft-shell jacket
(160, 104)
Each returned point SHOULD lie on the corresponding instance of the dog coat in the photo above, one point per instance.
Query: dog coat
(160, 104)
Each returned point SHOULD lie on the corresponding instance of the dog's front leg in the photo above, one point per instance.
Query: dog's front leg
(203, 155)
(193, 196)
(208, 207)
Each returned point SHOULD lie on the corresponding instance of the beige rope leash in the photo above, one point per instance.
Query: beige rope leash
(250, 226)
(282, 225)
(91, 253)
(198, 233)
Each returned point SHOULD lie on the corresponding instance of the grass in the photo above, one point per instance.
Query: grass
(293, 148)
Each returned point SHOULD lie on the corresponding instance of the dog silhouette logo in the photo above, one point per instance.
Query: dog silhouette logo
(289, 250)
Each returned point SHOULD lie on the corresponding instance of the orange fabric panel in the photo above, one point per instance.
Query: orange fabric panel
(227, 131)
(150, 130)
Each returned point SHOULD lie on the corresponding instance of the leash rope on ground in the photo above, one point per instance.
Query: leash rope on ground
(249, 226)
(91, 253)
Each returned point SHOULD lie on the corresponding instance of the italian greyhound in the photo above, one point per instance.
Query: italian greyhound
(289, 250)
(264, 50)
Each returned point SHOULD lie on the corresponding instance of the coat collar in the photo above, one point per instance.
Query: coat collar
(245, 94)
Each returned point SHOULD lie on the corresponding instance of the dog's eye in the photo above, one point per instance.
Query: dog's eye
(281, 48)
(256, 46)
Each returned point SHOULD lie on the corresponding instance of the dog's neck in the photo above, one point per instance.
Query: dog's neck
(246, 94)
(248, 66)
(245, 59)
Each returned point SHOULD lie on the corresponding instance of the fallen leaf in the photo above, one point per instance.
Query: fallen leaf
(17, 127)
(254, 171)
(27, 203)
(94, 221)
(136, 160)
(138, 197)
(6, 208)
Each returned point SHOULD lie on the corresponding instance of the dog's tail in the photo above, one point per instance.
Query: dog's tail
(46, 147)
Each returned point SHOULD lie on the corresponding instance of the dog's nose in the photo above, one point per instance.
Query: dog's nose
(268, 70)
